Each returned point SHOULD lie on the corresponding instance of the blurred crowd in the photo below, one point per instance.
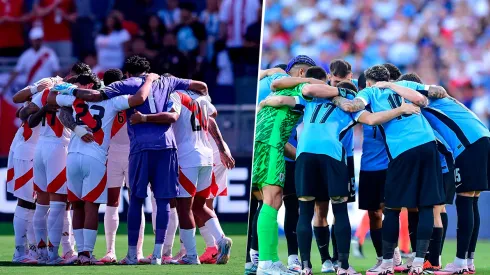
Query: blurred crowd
(446, 42)
(210, 40)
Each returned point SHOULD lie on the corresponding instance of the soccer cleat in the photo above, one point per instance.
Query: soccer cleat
(24, 259)
(471, 268)
(155, 260)
(254, 256)
(327, 267)
(209, 256)
(306, 271)
(179, 255)
(85, 260)
(276, 268)
(187, 260)
(250, 269)
(451, 269)
(335, 264)
(397, 258)
(404, 268)
(349, 271)
(416, 270)
(42, 256)
(129, 260)
(357, 248)
(429, 268)
(70, 257)
(224, 250)
(56, 261)
(379, 261)
(294, 264)
(166, 259)
(109, 258)
(382, 269)
(145, 260)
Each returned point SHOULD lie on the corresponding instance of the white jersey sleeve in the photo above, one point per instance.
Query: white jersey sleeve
(120, 103)
(65, 100)
(177, 102)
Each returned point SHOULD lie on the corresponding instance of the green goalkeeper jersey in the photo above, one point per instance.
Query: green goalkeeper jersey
(274, 125)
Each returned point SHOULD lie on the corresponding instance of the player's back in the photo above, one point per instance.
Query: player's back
(401, 133)
(51, 129)
(274, 125)
(458, 125)
(324, 126)
(265, 85)
(190, 130)
(119, 143)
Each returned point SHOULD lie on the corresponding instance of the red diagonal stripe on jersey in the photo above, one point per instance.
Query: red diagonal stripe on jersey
(10, 174)
(214, 185)
(37, 65)
(57, 182)
(192, 106)
(117, 125)
(223, 193)
(205, 193)
(27, 131)
(57, 127)
(97, 191)
(22, 180)
(72, 197)
(36, 188)
(187, 184)
(89, 120)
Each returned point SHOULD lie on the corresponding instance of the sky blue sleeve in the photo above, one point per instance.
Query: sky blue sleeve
(365, 95)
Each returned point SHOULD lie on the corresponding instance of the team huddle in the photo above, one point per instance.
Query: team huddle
(421, 149)
(81, 140)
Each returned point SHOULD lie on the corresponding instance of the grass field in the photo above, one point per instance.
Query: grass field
(235, 265)
(482, 256)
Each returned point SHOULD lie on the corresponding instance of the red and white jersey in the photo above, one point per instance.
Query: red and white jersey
(216, 156)
(119, 145)
(191, 129)
(25, 140)
(51, 128)
(35, 65)
(99, 117)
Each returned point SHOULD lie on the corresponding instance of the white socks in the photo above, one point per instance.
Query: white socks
(89, 238)
(31, 238)
(141, 237)
(153, 212)
(78, 233)
(55, 226)
(173, 223)
(215, 229)
(188, 237)
(265, 264)
(66, 238)
(208, 238)
(418, 261)
(21, 222)
(39, 222)
(157, 251)
(460, 262)
(111, 223)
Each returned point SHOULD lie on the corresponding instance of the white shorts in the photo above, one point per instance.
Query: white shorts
(87, 179)
(10, 172)
(50, 168)
(117, 172)
(23, 178)
(195, 181)
(219, 182)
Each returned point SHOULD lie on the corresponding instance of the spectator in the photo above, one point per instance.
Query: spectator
(90, 59)
(57, 17)
(170, 59)
(210, 18)
(11, 19)
(131, 27)
(191, 37)
(138, 47)
(110, 44)
(35, 63)
(153, 32)
(171, 15)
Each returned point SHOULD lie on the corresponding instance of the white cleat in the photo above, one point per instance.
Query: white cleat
(179, 255)
(379, 261)
(382, 269)
(306, 271)
(451, 269)
(109, 258)
(56, 261)
(397, 258)
(224, 250)
(250, 269)
(349, 271)
(416, 270)
(155, 260)
(276, 268)
(84, 260)
(70, 257)
(188, 260)
(327, 267)
(128, 260)
(294, 264)
(42, 258)
(405, 268)
(23, 259)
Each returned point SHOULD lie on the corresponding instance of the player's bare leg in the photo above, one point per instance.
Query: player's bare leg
(322, 235)
(55, 219)
(24, 212)
(111, 223)
(210, 254)
(40, 225)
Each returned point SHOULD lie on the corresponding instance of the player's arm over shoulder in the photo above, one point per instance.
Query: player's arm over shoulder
(269, 72)
(290, 82)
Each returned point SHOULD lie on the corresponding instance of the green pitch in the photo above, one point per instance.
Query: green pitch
(235, 265)
(482, 256)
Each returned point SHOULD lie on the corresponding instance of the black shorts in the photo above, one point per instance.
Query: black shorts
(289, 186)
(449, 187)
(414, 178)
(371, 189)
(472, 166)
(352, 179)
(321, 177)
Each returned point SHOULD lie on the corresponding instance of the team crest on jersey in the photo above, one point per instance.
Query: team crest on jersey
(282, 177)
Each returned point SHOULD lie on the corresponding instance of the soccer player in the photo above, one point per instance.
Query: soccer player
(467, 137)
(86, 161)
(152, 145)
(413, 177)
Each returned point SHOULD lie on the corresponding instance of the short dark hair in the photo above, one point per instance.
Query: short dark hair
(361, 81)
(347, 85)
(339, 68)
(85, 79)
(80, 68)
(112, 75)
(377, 73)
(281, 66)
(395, 73)
(411, 77)
(316, 72)
(136, 65)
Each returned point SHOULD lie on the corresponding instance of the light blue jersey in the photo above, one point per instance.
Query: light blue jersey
(265, 85)
(374, 157)
(401, 133)
(445, 153)
(324, 126)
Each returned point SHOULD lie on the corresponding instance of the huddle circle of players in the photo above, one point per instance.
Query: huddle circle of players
(80, 142)
(421, 148)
